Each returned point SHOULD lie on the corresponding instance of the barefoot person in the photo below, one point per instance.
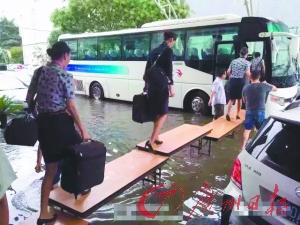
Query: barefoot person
(160, 86)
(239, 73)
(57, 114)
(7, 176)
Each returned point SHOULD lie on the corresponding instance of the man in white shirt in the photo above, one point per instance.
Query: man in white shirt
(218, 97)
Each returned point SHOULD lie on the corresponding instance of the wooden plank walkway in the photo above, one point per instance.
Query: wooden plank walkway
(120, 174)
(134, 166)
(177, 138)
(221, 127)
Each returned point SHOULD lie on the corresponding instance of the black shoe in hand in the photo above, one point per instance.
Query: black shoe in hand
(148, 147)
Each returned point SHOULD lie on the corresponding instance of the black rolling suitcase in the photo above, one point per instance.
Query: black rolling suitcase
(84, 167)
(21, 131)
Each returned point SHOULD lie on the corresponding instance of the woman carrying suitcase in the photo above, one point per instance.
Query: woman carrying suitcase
(159, 85)
(57, 114)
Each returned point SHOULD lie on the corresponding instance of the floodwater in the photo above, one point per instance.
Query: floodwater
(110, 122)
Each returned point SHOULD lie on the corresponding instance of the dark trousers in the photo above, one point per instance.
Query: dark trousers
(219, 110)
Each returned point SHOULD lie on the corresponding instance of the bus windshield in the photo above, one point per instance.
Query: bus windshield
(283, 68)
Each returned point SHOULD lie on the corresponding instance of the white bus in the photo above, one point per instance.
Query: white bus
(111, 64)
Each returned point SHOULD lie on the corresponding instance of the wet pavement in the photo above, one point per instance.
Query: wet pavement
(110, 122)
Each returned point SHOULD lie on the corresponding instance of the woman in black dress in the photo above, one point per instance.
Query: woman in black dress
(239, 74)
(159, 83)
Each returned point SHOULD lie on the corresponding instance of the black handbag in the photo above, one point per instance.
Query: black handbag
(84, 167)
(21, 131)
(152, 68)
(140, 109)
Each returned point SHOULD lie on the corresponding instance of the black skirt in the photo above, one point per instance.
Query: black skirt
(235, 88)
(158, 93)
(56, 132)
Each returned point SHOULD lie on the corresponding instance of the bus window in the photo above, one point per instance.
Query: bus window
(87, 49)
(73, 46)
(283, 70)
(200, 50)
(136, 47)
(178, 48)
(224, 57)
(109, 48)
(201, 44)
(157, 39)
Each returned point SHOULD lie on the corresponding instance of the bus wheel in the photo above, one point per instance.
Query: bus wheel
(96, 91)
(198, 103)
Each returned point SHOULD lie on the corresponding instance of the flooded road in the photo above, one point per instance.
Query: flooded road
(110, 122)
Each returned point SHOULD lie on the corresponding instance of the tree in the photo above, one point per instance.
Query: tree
(4, 56)
(53, 37)
(105, 15)
(9, 34)
(16, 54)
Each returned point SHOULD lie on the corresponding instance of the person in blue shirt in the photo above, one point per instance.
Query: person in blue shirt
(57, 117)
(239, 73)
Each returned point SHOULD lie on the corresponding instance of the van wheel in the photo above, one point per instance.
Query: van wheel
(96, 91)
(198, 103)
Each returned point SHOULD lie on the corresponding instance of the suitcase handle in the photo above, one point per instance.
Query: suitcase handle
(87, 141)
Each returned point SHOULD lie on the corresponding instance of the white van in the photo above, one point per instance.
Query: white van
(266, 174)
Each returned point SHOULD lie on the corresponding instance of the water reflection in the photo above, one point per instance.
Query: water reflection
(110, 122)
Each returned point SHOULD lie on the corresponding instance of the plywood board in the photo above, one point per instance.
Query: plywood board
(175, 139)
(221, 127)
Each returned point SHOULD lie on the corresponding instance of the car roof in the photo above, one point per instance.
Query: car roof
(290, 115)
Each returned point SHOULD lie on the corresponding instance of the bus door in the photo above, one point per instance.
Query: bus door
(225, 52)
(257, 49)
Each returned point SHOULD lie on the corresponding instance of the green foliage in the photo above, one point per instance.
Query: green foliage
(9, 34)
(106, 15)
(16, 54)
(9, 107)
(4, 57)
(53, 37)
(10, 39)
